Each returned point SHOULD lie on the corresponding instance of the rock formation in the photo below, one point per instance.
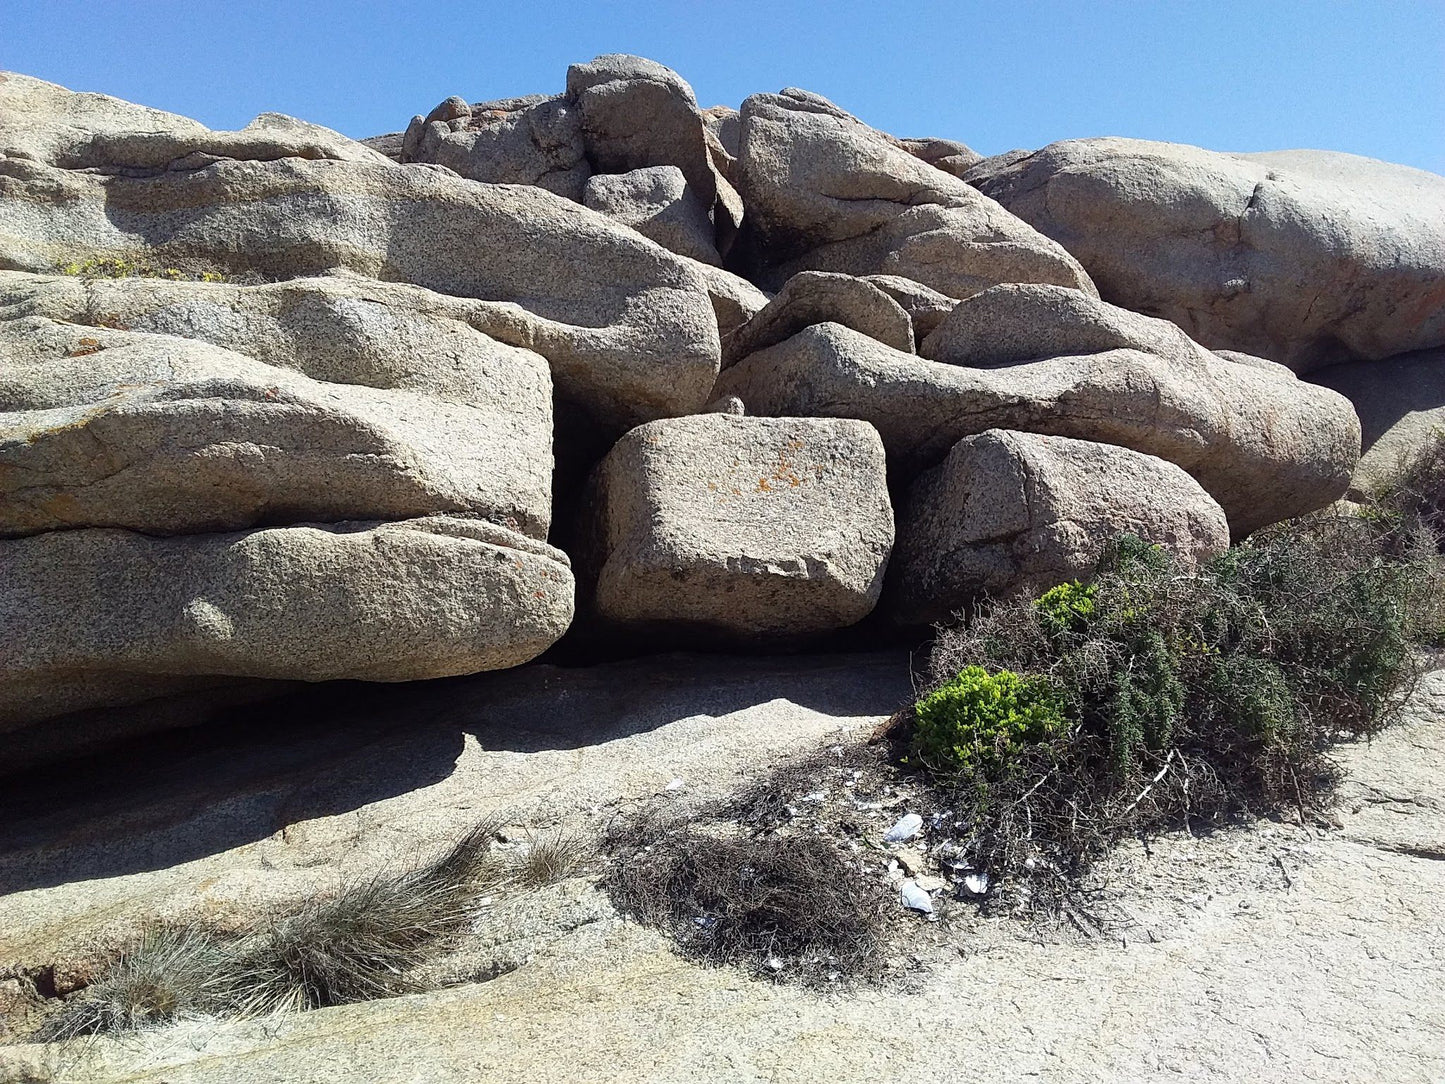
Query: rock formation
(1009, 512)
(1302, 257)
(279, 405)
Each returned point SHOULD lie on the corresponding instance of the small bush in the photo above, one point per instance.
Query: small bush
(1066, 608)
(1183, 694)
(977, 722)
(792, 909)
(115, 267)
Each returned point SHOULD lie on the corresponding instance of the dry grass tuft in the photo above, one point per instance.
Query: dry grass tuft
(169, 971)
(549, 859)
(357, 945)
(794, 909)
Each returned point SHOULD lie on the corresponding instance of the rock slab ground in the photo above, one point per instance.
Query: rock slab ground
(1275, 953)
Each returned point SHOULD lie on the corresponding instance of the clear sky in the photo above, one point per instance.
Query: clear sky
(1367, 77)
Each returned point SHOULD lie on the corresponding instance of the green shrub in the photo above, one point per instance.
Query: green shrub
(116, 267)
(1186, 693)
(978, 722)
(1066, 608)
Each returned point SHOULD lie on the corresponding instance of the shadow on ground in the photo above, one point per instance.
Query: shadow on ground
(162, 799)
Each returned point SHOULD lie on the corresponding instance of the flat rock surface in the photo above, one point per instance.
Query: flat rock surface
(1272, 953)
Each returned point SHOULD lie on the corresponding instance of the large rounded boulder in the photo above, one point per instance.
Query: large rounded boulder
(1011, 513)
(1304, 257)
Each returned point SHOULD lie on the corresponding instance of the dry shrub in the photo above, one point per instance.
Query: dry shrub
(794, 909)
(1194, 696)
(356, 945)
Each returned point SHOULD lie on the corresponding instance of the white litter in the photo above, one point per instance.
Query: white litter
(914, 898)
(676, 784)
(976, 883)
(906, 828)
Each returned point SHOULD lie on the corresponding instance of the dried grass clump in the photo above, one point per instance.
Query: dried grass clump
(356, 945)
(169, 972)
(550, 859)
(794, 909)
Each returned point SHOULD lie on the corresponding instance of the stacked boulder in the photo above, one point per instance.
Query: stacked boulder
(794, 372)
(746, 526)
(312, 437)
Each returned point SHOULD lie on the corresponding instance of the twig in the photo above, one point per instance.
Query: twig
(1288, 880)
(1078, 925)
(1144, 793)
(1029, 793)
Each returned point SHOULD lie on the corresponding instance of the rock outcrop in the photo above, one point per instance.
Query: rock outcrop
(112, 616)
(824, 192)
(1016, 513)
(280, 407)
(1264, 446)
(741, 526)
(925, 306)
(949, 155)
(390, 369)
(1017, 322)
(1303, 257)
(637, 113)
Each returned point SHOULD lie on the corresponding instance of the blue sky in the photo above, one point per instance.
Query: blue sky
(1363, 77)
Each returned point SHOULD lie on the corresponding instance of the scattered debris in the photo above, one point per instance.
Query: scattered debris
(906, 828)
(914, 898)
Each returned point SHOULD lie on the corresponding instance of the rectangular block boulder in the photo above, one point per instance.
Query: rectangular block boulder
(744, 526)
